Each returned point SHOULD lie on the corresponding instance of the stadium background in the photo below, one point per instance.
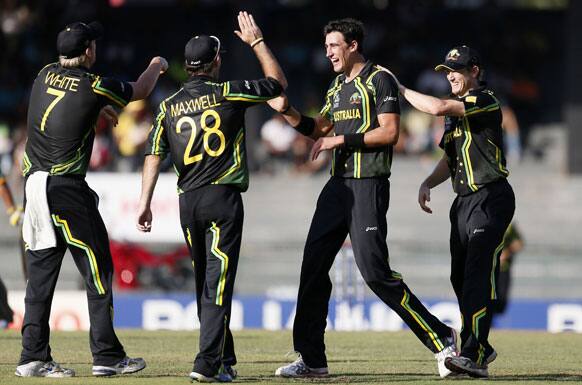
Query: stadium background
(526, 47)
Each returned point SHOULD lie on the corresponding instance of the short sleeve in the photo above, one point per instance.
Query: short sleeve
(157, 143)
(251, 91)
(480, 102)
(387, 94)
(328, 100)
(113, 91)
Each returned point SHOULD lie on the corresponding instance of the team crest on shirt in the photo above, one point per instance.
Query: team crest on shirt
(453, 54)
(336, 100)
(356, 98)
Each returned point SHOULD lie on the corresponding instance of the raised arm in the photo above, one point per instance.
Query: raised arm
(150, 173)
(432, 105)
(146, 82)
(251, 34)
(429, 104)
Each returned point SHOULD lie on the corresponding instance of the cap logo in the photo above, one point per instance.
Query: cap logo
(453, 54)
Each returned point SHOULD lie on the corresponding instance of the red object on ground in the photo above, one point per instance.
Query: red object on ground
(129, 258)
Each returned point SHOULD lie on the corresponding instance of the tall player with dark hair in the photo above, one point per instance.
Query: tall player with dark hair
(361, 109)
(474, 161)
(202, 127)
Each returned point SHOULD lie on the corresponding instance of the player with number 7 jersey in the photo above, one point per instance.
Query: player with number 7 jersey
(61, 209)
(202, 127)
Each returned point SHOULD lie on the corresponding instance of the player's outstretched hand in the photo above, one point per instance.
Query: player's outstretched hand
(109, 114)
(423, 197)
(162, 62)
(249, 31)
(144, 220)
(325, 143)
(400, 86)
(280, 103)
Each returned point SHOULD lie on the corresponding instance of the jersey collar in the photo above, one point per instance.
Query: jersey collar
(365, 69)
(471, 92)
(200, 79)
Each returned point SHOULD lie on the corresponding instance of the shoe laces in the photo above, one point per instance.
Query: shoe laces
(448, 351)
(52, 366)
(470, 363)
(230, 370)
(299, 366)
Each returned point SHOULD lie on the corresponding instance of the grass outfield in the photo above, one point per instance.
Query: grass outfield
(364, 357)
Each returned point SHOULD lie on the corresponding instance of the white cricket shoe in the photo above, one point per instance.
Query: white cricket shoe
(298, 369)
(125, 366)
(43, 369)
(448, 351)
(220, 377)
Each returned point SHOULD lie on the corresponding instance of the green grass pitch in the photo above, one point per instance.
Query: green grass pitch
(354, 357)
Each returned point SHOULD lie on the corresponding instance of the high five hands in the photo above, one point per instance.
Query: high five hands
(249, 32)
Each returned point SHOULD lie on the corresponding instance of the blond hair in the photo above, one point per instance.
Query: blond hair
(81, 60)
(74, 62)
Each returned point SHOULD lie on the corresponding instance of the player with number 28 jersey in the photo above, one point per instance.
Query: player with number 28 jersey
(203, 125)
(202, 128)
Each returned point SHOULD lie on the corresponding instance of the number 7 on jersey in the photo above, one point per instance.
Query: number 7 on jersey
(59, 95)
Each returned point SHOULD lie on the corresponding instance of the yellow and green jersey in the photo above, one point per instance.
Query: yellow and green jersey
(62, 113)
(474, 143)
(353, 107)
(202, 127)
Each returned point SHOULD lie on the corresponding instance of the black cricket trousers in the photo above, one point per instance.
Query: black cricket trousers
(356, 207)
(78, 226)
(478, 224)
(212, 222)
(6, 312)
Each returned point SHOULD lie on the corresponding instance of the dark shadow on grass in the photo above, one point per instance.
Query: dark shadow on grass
(278, 362)
(285, 362)
(550, 377)
(63, 363)
(405, 377)
(368, 360)
(346, 378)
